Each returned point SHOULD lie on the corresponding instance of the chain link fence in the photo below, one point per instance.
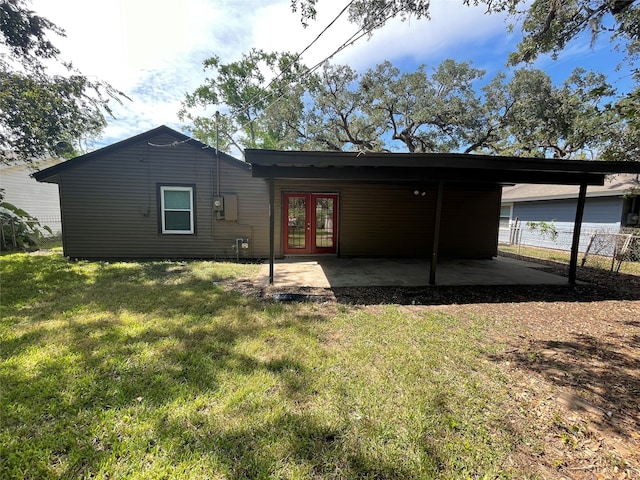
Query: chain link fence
(610, 250)
(599, 248)
(54, 239)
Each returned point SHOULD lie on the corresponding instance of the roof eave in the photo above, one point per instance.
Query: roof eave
(47, 174)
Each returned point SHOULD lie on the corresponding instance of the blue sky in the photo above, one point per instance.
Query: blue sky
(153, 49)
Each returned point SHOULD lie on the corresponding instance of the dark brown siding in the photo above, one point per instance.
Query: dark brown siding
(470, 216)
(111, 205)
(390, 220)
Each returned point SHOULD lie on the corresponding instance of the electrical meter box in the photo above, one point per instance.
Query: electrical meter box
(226, 207)
(218, 207)
(230, 207)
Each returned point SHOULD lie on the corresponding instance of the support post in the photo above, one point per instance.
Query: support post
(577, 228)
(436, 234)
(272, 228)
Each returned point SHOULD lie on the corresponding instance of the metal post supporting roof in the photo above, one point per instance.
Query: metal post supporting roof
(436, 234)
(272, 228)
(577, 227)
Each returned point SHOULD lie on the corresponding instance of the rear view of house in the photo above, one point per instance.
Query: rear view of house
(160, 194)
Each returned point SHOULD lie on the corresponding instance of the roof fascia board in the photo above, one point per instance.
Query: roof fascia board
(435, 160)
(426, 174)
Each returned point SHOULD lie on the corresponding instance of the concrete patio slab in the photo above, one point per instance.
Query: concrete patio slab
(328, 272)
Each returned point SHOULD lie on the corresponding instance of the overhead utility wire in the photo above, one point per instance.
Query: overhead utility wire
(252, 102)
(354, 38)
(350, 41)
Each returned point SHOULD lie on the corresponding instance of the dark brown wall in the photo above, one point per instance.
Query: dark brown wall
(110, 210)
(110, 205)
(470, 216)
(389, 220)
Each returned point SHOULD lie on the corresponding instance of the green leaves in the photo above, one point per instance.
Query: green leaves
(20, 230)
(520, 113)
(38, 111)
(243, 91)
(547, 25)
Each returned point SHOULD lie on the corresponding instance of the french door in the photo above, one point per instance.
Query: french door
(310, 223)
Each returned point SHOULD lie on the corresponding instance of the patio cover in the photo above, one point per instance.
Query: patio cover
(439, 168)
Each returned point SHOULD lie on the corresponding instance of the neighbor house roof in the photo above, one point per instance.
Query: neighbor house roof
(51, 174)
(431, 166)
(614, 186)
(22, 166)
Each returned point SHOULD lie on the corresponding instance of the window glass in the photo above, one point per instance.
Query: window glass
(177, 209)
(505, 216)
(297, 226)
(179, 200)
(177, 220)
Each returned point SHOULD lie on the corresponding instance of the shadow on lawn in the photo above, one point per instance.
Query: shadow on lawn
(605, 376)
(119, 348)
(318, 450)
(445, 295)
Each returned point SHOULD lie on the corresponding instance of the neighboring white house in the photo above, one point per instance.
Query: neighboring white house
(545, 214)
(40, 200)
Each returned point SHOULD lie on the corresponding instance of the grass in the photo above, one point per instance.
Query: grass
(154, 370)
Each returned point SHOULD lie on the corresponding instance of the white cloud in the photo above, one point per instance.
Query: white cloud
(452, 25)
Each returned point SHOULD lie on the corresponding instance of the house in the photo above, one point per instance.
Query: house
(23, 191)
(609, 208)
(160, 194)
(414, 205)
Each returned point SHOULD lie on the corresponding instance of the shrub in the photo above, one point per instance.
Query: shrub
(19, 230)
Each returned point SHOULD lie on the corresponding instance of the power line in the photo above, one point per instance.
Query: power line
(354, 38)
(350, 41)
(253, 101)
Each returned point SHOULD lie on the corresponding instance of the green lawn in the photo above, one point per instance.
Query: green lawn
(154, 370)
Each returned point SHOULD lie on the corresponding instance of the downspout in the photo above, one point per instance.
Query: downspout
(577, 227)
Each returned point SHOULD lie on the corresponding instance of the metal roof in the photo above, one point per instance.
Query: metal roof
(431, 167)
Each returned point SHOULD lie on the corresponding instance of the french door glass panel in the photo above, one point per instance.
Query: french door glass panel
(324, 222)
(310, 225)
(297, 222)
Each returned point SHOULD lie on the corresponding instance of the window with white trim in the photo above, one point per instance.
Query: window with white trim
(176, 210)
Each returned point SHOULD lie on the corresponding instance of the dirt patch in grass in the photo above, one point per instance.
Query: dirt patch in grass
(570, 353)
(574, 368)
